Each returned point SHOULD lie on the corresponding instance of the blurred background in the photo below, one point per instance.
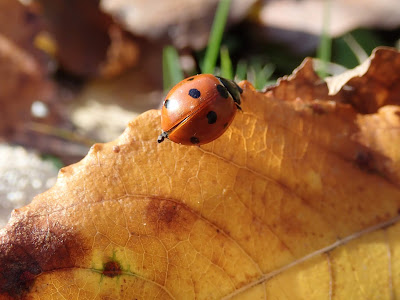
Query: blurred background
(75, 72)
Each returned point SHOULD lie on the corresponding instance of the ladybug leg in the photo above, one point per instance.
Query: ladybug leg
(238, 106)
(162, 136)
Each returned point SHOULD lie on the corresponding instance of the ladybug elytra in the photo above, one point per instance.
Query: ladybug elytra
(199, 109)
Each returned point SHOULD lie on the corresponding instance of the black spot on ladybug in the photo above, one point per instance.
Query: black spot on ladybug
(222, 91)
(194, 93)
(190, 79)
(226, 124)
(212, 117)
(166, 103)
(194, 140)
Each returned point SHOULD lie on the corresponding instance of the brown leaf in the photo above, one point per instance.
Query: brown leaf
(344, 15)
(373, 89)
(186, 22)
(21, 82)
(304, 84)
(88, 42)
(21, 65)
(373, 84)
(280, 206)
(19, 23)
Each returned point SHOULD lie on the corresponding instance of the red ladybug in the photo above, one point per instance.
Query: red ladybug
(199, 109)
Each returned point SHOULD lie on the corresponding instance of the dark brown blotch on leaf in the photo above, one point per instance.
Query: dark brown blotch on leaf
(112, 269)
(18, 272)
(169, 216)
(31, 247)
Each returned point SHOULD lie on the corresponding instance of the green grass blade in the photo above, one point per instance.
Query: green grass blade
(325, 46)
(241, 70)
(355, 47)
(226, 64)
(214, 41)
(172, 73)
(262, 76)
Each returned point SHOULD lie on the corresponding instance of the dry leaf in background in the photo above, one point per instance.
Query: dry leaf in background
(344, 15)
(186, 23)
(22, 67)
(21, 83)
(19, 24)
(299, 24)
(285, 205)
(87, 41)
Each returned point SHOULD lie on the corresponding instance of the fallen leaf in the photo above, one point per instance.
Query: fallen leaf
(20, 24)
(371, 85)
(22, 67)
(373, 89)
(186, 22)
(22, 81)
(284, 205)
(88, 43)
(344, 15)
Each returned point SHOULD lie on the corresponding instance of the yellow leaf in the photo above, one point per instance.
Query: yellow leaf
(299, 199)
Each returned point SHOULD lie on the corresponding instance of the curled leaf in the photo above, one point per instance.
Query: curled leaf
(371, 85)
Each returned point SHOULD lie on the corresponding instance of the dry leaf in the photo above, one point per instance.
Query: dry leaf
(20, 24)
(284, 205)
(21, 82)
(22, 71)
(373, 89)
(87, 41)
(186, 22)
(344, 15)
(373, 84)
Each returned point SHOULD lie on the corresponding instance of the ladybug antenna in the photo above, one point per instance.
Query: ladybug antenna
(162, 136)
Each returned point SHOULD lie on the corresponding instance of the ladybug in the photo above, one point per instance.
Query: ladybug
(199, 109)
